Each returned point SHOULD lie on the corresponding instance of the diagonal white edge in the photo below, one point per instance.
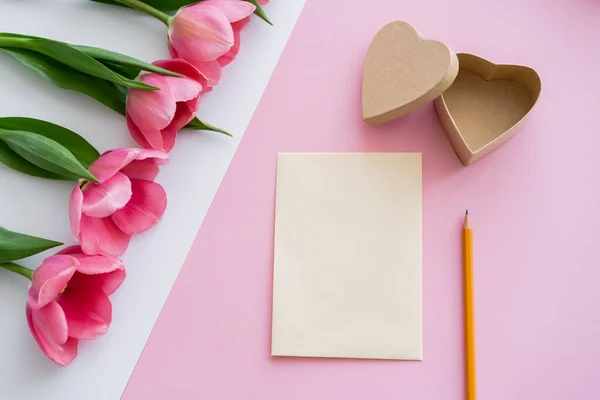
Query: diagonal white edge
(39, 207)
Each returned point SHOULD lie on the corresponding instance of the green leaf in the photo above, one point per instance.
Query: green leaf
(107, 93)
(127, 72)
(69, 56)
(174, 5)
(83, 151)
(203, 126)
(112, 57)
(123, 60)
(162, 5)
(18, 163)
(45, 153)
(260, 12)
(14, 246)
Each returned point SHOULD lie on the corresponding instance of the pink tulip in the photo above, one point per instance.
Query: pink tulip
(126, 201)
(263, 2)
(155, 116)
(207, 34)
(68, 301)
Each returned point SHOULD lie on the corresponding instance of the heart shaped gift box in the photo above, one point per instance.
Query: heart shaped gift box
(480, 104)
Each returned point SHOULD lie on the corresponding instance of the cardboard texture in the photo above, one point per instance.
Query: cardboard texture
(403, 71)
(485, 105)
(480, 104)
(347, 257)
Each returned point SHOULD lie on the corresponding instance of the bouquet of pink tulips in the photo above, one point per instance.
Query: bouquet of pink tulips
(114, 196)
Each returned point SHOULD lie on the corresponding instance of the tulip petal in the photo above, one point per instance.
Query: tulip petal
(100, 236)
(235, 49)
(112, 161)
(182, 117)
(51, 322)
(151, 110)
(159, 157)
(146, 207)
(101, 200)
(187, 91)
(183, 89)
(136, 134)
(87, 309)
(104, 272)
(75, 249)
(75, 204)
(154, 139)
(92, 265)
(61, 354)
(200, 33)
(173, 52)
(109, 282)
(169, 138)
(49, 279)
(142, 169)
(263, 2)
(234, 10)
(211, 70)
(192, 106)
(181, 67)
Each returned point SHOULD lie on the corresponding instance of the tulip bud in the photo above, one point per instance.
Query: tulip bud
(155, 117)
(207, 36)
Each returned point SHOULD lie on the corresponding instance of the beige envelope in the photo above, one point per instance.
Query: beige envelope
(347, 275)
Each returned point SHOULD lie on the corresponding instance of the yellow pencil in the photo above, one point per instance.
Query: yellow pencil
(469, 309)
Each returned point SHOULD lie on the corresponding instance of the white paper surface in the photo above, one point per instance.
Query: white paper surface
(39, 207)
(347, 279)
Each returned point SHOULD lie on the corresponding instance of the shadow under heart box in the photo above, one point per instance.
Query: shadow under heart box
(480, 104)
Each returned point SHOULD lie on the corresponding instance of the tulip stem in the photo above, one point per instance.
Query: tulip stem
(140, 5)
(18, 269)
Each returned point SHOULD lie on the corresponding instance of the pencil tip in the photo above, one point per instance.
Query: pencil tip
(467, 213)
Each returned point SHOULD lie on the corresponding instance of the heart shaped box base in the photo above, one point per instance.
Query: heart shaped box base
(485, 105)
(480, 104)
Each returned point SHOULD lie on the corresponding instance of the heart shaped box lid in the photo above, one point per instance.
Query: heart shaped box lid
(403, 71)
(479, 104)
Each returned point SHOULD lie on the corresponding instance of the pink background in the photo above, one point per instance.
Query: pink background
(535, 207)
